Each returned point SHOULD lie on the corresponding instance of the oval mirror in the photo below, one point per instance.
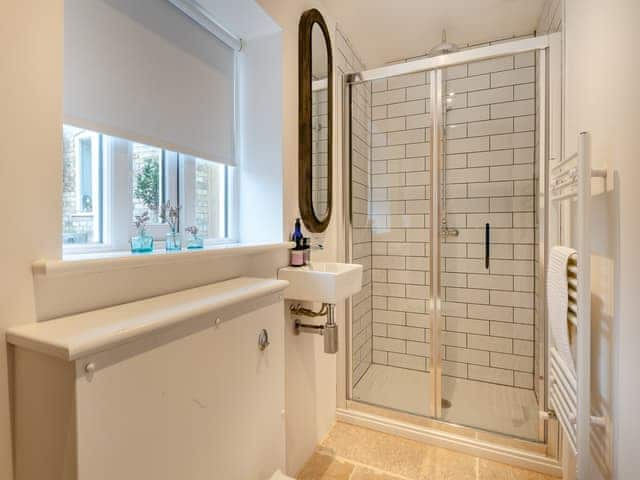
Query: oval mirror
(315, 108)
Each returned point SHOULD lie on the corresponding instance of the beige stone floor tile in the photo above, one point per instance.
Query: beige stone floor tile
(381, 456)
(443, 464)
(362, 473)
(385, 452)
(324, 467)
(489, 470)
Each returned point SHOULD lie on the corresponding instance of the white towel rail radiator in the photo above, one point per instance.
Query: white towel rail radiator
(569, 392)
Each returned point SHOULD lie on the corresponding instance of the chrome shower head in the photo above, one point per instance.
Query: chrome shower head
(444, 46)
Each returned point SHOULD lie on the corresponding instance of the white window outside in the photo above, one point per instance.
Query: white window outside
(87, 164)
(107, 181)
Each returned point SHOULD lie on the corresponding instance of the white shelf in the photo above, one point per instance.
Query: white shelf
(77, 336)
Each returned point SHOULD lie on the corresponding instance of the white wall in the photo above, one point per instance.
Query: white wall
(287, 14)
(551, 17)
(310, 373)
(30, 156)
(603, 98)
(311, 379)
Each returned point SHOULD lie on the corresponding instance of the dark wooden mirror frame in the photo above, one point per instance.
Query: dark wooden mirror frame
(305, 167)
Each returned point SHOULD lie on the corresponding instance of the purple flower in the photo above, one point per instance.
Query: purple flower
(141, 221)
(170, 215)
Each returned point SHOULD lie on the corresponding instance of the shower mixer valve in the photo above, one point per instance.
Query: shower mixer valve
(445, 231)
(449, 232)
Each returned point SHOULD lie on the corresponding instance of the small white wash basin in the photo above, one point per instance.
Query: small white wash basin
(322, 282)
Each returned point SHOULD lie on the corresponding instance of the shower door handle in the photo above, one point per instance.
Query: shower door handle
(487, 243)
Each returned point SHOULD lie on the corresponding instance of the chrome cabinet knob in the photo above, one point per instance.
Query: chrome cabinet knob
(263, 339)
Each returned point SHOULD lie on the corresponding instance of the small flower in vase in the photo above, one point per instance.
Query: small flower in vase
(171, 215)
(142, 243)
(141, 222)
(195, 241)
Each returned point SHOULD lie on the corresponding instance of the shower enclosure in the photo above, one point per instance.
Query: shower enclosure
(446, 215)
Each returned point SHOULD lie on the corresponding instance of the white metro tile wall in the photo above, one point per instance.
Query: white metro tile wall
(361, 316)
(488, 313)
(489, 322)
(399, 208)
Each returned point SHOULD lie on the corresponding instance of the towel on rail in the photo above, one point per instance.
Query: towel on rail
(558, 302)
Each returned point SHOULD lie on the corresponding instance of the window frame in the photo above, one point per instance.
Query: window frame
(187, 187)
(168, 191)
(115, 184)
(96, 182)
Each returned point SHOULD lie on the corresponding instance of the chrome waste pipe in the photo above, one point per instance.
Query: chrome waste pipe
(329, 330)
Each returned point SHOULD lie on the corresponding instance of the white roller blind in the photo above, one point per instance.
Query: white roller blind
(144, 71)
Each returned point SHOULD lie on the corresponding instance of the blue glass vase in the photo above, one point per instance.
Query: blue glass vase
(195, 242)
(173, 242)
(142, 243)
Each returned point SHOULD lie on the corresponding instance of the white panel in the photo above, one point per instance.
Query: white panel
(146, 72)
(203, 406)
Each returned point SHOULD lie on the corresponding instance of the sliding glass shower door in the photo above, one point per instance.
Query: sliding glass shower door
(391, 237)
(442, 182)
(487, 244)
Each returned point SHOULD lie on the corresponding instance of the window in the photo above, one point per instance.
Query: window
(86, 165)
(150, 95)
(210, 214)
(81, 187)
(148, 172)
(109, 181)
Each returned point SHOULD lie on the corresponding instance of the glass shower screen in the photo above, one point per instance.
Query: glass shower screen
(391, 236)
(462, 283)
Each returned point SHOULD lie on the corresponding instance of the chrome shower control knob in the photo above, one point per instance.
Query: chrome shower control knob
(263, 339)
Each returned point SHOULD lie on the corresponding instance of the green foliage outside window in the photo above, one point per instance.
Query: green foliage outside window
(147, 184)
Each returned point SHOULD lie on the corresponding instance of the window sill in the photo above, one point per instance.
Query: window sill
(108, 261)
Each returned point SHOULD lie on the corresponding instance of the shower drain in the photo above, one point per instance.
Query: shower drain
(446, 403)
